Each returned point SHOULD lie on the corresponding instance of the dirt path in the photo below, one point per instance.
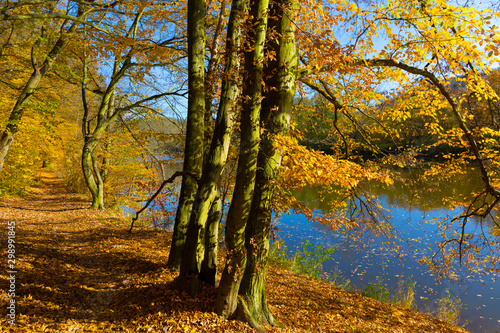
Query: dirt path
(81, 271)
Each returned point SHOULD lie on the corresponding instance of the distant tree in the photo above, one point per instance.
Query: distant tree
(40, 68)
(131, 48)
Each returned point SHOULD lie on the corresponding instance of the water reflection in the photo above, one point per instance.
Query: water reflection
(415, 207)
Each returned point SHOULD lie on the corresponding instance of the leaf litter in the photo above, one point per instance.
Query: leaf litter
(79, 270)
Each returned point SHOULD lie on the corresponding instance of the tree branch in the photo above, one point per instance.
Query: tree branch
(165, 182)
(455, 109)
(160, 165)
(150, 98)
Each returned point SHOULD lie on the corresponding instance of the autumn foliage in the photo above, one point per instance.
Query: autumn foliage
(251, 101)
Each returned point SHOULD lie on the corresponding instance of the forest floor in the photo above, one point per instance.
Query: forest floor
(79, 270)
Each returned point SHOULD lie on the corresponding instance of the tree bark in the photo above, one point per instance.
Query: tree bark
(210, 77)
(90, 169)
(104, 170)
(91, 174)
(208, 272)
(193, 150)
(227, 294)
(275, 116)
(199, 260)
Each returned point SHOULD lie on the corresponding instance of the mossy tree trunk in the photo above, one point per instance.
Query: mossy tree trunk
(199, 260)
(105, 164)
(92, 175)
(90, 166)
(90, 169)
(227, 295)
(193, 149)
(211, 76)
(209, 265)
(275, 117)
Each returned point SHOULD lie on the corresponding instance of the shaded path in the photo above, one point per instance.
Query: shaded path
(79, 270)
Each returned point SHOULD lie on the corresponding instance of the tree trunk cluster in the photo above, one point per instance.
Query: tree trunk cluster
(260, 94)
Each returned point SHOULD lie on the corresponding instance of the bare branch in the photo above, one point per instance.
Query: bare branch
(165, 182)
(160, 165)
(150, 98)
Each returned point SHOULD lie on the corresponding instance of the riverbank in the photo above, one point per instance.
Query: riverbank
(79, 270)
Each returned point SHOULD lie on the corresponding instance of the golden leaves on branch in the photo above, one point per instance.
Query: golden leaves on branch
(302, 167)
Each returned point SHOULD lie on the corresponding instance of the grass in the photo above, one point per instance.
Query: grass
(377, 290)
(404, 294)
(307, 261)
(449, 308)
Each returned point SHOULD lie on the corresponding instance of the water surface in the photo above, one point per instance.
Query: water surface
(413, 210)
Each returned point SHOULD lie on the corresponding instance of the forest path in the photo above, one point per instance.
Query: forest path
(79, 270)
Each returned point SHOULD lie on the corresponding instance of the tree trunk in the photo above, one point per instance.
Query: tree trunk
(91, 174)
(209, 265)
(90, 169)
(199, 251)
(227, 294)
(210, 78)
(193, 150)
(100, 184)
(104, 170)
(275, 116)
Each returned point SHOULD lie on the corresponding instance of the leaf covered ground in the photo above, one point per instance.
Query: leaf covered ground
(81, 271)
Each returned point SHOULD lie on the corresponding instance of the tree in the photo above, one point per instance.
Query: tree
(275, 115)
(247, 243)
(39, 71)
(133, 49)
(106, 115)
(200, 263)
(444, 48)
(226, 302)
(193, 149)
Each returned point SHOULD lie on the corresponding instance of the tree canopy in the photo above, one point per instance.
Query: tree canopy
(264, 96)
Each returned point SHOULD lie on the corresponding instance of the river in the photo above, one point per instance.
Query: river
(414, 210)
